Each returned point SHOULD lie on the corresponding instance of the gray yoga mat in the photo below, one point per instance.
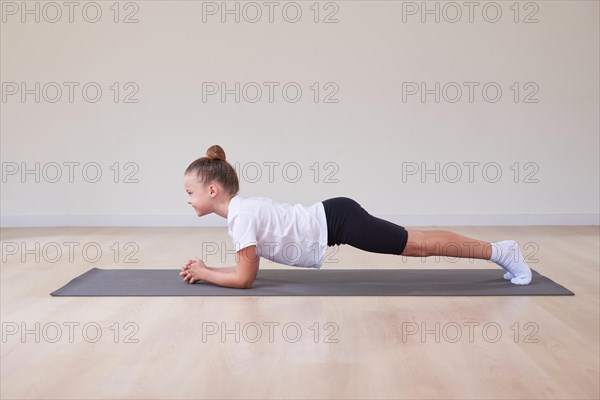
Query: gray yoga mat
(309, 282)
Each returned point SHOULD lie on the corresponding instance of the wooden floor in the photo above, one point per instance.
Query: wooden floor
(292, 347)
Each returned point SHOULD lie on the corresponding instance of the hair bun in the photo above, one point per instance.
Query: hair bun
(215, 152)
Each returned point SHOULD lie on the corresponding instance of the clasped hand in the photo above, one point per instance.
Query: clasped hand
(192, 270)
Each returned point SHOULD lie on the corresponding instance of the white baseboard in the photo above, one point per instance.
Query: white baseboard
(14, 221)
(494, 219)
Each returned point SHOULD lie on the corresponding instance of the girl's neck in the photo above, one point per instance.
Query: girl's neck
(222, 208)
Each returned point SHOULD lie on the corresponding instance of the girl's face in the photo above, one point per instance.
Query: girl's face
(201, 197)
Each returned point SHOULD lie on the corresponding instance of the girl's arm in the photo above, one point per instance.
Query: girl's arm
(222, 269)
(241, 276)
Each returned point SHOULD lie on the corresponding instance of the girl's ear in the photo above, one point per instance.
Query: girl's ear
(212, 189)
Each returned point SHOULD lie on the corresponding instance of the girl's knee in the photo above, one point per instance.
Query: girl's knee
(416, 244)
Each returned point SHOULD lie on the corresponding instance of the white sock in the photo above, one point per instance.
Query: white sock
(496, 253)
(508, 255)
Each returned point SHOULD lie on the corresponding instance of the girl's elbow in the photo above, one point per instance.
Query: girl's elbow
(245, 284)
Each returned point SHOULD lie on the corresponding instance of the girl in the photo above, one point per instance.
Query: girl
(298, 235)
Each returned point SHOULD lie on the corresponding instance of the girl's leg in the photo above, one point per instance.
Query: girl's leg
(445, 243)
(349, 223)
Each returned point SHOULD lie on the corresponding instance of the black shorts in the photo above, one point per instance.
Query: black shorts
(349, 223)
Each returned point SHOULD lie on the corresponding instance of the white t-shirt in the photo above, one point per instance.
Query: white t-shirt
(288, 234)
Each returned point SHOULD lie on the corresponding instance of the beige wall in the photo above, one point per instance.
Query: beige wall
(361, 139)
